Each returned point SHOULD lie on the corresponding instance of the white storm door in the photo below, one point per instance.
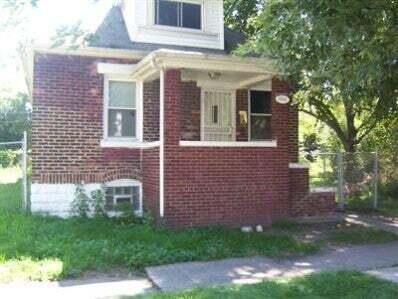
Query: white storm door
(217, 115)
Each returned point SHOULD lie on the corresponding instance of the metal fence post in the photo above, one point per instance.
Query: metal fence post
(376, 181)
(25, 170)
(340, 178)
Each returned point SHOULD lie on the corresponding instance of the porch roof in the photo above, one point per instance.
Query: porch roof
(253, 70)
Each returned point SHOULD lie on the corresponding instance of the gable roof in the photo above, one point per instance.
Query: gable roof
(112, 33)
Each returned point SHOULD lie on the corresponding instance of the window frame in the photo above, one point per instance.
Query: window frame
(138, 108)
(180, 19)
(127, 183)
(257, 114)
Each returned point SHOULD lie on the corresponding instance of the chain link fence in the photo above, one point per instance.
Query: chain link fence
(14, 174)
(353, 176)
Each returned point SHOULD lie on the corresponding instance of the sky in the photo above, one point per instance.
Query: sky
(41, 25)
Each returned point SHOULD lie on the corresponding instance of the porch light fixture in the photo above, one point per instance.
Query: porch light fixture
(282, 99)
(214, 75)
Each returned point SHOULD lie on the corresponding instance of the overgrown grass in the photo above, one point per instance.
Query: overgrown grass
(353, 285)
(362, 235)
(286, 225)
(386, 206)
(48, 248)
(389, 208)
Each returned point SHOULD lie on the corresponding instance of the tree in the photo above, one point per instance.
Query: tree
(241, 15)
(341, 55)
(14, 16)
(14, 117)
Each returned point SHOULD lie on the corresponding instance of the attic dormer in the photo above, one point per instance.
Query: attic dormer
(194, 23)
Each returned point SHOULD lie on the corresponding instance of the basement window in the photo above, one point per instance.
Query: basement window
(260, 115)
(123, 194)
(178, 14)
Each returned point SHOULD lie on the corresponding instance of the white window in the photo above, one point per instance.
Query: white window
(177, 13)
(120, 113)
(260, 115)
(124, 192)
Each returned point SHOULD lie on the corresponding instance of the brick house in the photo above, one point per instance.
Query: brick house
(159, 111)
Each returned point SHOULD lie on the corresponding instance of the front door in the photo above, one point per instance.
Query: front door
(217, 116)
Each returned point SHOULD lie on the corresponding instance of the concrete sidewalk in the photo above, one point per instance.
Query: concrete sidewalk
(252, 270)
(386, 273)
(380, 222)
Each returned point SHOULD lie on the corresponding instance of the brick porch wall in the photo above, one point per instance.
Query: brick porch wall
(230, 186)
(305, 203)
(150, 182)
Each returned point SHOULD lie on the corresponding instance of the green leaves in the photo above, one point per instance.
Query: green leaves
(340, 54)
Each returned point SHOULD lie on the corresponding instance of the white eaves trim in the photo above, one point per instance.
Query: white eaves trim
(268, 143)
(115, 69)
(91, 52)
(107, 143)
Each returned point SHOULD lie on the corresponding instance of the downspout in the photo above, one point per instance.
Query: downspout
(161, 148)
(154, 63)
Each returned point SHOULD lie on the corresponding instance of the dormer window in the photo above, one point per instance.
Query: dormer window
(175, 13)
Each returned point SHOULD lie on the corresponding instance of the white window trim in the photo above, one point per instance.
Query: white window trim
(153, 17)
(268, 143)
(129, 144)
(249, 133)
(233, 110)
(128, 183)
(139, 110)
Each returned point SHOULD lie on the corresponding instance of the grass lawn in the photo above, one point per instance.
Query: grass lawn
(389, 208)
(48, 248)
(362, 235)
(337, 285)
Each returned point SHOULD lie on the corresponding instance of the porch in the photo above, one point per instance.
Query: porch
(223, 102)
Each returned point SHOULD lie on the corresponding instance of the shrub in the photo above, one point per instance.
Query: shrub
(98, 202)
(127, 214)
(81, 202)
(390, 189)
(8, 158)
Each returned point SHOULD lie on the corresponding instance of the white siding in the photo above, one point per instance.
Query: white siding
(55, 199)
(139, 18)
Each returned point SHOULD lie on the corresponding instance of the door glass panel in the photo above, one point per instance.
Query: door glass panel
(215, 114)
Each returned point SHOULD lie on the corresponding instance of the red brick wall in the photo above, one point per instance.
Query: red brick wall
(67, 124)
(233, 186)
(190, 111)
(151, 110)
(305, 203)
(150, 181)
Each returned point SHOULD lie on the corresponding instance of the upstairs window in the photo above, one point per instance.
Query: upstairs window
(260, 115)
(178, 14)
(121, 114)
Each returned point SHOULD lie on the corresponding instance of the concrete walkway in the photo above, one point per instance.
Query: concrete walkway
(76, 289)
(252, 270)
(380, 222)
(386, 273)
